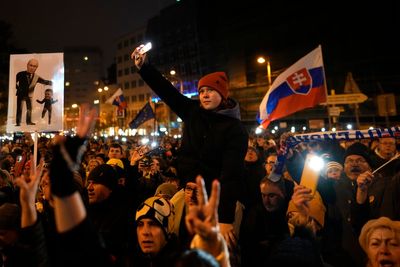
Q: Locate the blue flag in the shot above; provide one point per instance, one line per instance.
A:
(145, 114)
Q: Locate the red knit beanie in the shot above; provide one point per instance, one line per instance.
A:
(217, 81)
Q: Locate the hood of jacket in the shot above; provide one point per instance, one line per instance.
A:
(233, 111)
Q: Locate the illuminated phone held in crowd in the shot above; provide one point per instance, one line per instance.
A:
(312, 167)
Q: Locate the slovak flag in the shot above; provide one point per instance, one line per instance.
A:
(299, 87)
(117, 99)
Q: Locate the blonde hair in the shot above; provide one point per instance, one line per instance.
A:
(372, 225)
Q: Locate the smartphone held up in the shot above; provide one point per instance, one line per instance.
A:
(145, 48)
(312, 167)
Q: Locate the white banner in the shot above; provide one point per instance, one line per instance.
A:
(344, 135)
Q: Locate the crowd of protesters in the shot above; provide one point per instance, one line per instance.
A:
(219, 197)
(281, 222)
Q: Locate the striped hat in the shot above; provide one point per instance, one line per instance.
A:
(333, 164)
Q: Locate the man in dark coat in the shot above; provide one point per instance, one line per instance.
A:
(214, 141)
(108, 211)
(25, 85)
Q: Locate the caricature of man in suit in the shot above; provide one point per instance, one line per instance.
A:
(25, 85)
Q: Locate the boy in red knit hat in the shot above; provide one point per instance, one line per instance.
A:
(214, 141)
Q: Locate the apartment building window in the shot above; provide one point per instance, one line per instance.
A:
(119, 73)
(141, 82)
(141, 97)
(126, 71)
(126, 85)
(134, 98)
(133, 70)
(133, 84)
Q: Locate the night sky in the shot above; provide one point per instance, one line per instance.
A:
(362, 38)
(48, 25)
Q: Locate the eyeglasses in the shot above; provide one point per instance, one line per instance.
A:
(357, 161)
(189, 190)
(270, 162)
(388, 144)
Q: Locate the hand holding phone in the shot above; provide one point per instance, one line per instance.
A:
(145, 48)
(139, 54)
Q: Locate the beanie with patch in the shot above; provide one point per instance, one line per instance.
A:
(160, 210)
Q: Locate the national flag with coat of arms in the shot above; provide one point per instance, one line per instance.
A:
(118, 99)
(300, 86)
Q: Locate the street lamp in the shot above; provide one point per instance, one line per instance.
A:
(173, 74)
(262, 60)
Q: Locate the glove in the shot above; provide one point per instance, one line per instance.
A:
(67, 157)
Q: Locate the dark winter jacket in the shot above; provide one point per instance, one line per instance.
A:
(214, 144)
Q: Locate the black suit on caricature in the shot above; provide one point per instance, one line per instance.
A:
(25, 87)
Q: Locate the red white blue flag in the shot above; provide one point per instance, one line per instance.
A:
(117, 99)
(299, 87)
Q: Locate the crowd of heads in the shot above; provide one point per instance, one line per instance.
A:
(105, 171)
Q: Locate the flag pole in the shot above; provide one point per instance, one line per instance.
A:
(326, 91)
(155, 120)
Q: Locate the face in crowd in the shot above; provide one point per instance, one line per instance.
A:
(97, 192)
(115, 153)
(210, 99)
(387, 147)
(354, 165)
(45, 186)
(251, 155)
(191, 193)
(383, 248)
(155, 220)
(272, 196)
(151, 236)
(333, 173)
(269, 163)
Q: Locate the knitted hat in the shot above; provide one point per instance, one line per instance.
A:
(10, 216)
(382, 222)
(117, 162)
(104, 174)
(333, 164)
(168, 189)
(358, 149)
(160, 210)
(217, 81)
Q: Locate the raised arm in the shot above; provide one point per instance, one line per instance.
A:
(67, 155)
(202, 219)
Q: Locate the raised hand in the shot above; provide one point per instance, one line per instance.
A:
(138, 58)
(301, 198)
(202, 218)
(363, 182)
(68, 153)
(28, 189)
